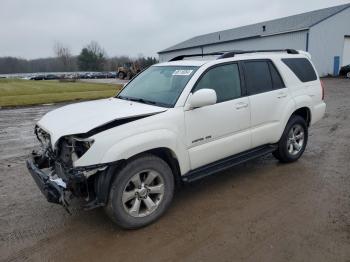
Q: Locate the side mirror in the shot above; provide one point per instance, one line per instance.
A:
(202, 97)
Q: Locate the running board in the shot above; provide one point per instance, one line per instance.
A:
(226, 163)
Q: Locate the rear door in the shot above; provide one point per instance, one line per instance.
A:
(220, 130)
(268, 96)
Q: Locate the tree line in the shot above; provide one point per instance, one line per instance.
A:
(91, 58)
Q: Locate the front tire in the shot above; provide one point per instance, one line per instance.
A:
(293, 141)
(141, 192)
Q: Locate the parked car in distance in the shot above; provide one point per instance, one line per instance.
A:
(51, 77)
(345, 71)
(174, 123)
(38, 77)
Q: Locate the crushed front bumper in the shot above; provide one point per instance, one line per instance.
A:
(59, 185)
(53, 189)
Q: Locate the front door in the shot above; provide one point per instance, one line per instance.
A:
(220, 130)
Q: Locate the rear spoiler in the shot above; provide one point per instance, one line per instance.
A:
(307, 54)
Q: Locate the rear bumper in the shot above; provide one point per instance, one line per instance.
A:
(51, 189)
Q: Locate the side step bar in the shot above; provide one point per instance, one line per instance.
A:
(226, 163)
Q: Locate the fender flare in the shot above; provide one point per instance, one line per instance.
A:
(300, 102)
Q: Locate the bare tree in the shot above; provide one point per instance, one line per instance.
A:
(64, 56)
(96, 49)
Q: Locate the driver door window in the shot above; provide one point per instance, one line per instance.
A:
(225, 80)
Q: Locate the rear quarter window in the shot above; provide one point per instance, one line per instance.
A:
(302, 68)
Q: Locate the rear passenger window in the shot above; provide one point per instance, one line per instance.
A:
(302, 68)
(225, 80)
(276, 77)
(257, 76)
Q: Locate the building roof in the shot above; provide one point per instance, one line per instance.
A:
(281, 25)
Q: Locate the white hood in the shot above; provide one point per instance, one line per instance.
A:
(82, 117)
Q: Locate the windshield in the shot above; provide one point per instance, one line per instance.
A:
(158, 85)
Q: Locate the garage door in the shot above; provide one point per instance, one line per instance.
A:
(346, 51)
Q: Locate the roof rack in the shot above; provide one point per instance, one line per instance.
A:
(181, 57)
(233, 53)
(228, 54)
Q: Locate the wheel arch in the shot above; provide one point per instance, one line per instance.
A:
(169, 156)
(103, 181)
(304, 112)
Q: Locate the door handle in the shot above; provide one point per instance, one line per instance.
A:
(241, 105)
(281, 95)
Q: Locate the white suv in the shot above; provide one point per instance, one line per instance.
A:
(176, 122)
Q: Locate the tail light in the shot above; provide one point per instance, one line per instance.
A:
(322, 87)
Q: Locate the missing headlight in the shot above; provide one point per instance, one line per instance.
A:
(43, 137)
(80, 146)
(72, 148)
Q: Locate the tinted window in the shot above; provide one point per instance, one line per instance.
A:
(276, 77)
(258, 78)
(302, 68)
(224, 80)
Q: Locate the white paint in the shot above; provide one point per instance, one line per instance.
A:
(203, 97)
(224, 128)
(82, 117)
(197, 136)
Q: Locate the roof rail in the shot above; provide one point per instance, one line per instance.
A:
(181, 57)
(228, 54)
(233, 53)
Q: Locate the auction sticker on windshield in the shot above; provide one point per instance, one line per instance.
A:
(182, 72)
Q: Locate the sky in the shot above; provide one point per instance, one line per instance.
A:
(30, 28)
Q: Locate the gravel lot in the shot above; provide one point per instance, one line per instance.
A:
(258, 211)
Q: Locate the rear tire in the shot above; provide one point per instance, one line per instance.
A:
(141, 192)
(293, 141)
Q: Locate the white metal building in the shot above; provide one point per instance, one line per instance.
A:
(325, 33)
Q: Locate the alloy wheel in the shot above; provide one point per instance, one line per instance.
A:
(143, 193)
(296, 138)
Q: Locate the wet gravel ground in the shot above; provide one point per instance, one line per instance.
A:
(258, 211)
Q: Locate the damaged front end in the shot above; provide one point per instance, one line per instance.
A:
(59, 181)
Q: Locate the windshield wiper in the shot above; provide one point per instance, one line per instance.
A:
(141, 100)
(123, 97)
